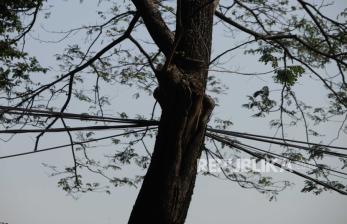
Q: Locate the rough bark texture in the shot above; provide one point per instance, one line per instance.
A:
(168, 186)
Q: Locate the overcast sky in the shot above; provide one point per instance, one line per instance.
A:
(29, 196)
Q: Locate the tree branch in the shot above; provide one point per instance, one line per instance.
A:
(155, 24)
(86, 64)
(278, 37)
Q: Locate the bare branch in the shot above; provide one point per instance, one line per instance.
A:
(155, 24)
(30, 26)
(280, 36)
(77, 182)
(149, 59)
(125, 35)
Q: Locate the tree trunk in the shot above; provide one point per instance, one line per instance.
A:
(168, 186)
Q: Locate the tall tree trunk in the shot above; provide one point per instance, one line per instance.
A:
(168, 186)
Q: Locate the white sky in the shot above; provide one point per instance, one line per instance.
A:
(29, 196)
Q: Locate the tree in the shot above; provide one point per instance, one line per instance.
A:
(294, 37)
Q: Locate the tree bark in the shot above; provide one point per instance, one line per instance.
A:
(167, 188)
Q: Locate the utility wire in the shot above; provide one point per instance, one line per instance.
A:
(234, 133)
(94, 128)
(290, 145)
(261, 156)
(141, 123)
(293, 160)
(81, 118)
(75, 143)
(87, 117)
(35, 112)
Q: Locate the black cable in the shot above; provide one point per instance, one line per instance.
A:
(260, 156)
(94, 128)
(68, 115)
(46, 113)
(268, 137)
(75, 143)
(290, 145)
(293, 160)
